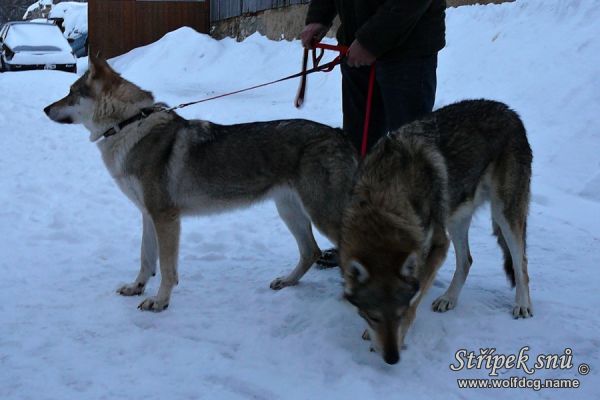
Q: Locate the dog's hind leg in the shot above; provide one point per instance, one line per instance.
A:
(513, 232)
(148, 260)
(508, 265)
(459, 233)
(291, 212)
(510, 204)
(168, 229)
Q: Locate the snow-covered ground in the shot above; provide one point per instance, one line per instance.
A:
(69, 237)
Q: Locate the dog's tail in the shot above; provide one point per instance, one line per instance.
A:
(508, 264)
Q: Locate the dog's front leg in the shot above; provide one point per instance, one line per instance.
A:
(168, 228)
(148, 260)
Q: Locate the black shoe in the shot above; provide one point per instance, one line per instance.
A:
(330, 258)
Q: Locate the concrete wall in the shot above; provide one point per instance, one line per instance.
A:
(286, 23)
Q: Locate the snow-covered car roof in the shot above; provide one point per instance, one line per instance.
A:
(28, 36)
(74, 15)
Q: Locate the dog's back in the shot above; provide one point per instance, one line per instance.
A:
(472, 136)
(208, 166)
(485, 146)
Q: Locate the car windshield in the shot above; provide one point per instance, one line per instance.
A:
(36, 37)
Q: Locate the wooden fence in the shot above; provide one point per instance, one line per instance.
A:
(117, 26)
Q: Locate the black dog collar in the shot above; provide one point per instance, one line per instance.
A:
(144, 113)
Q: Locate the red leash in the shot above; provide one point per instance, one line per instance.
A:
(343, 50)
(328, 67)
(317, 68)
(365, 138)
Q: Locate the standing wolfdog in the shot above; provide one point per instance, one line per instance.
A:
(170, 167)
(427, 178)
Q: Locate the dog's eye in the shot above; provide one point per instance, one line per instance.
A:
(370, 317)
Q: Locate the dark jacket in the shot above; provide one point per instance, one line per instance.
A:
(389, 29)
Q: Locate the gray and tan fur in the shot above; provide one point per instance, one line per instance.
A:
(394, 237)
(171, 167)
(427, 178)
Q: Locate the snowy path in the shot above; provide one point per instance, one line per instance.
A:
(69, 238)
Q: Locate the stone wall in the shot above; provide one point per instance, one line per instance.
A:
(276, 24)
(286, 23)
(456, 3)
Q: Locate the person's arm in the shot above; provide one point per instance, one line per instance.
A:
(321, 12)
(391, 25)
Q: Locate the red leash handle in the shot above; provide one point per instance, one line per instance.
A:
(316, 59)
(299, 101)
(343, 50)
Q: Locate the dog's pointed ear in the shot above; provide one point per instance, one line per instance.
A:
(358, 272)
(98, 67)
(409, 266)
(409, 290)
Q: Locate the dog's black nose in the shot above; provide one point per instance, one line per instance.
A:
(391, 358)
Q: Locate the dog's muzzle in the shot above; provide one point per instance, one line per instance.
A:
(63, 120)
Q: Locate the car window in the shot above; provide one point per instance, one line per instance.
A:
(36, 48)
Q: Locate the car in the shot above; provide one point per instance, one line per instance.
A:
(72, 19)
(79, 44)
(35, 45)
(78, 40)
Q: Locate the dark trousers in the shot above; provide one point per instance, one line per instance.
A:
(404, 91)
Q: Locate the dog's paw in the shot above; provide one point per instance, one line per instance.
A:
(443, 304)
(133, 289)
(153, 304)
(365, 335)
(522, 311)
(281, 282)
(328, 259)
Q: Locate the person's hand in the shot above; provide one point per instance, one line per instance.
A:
(313, 33)
(358, 56)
